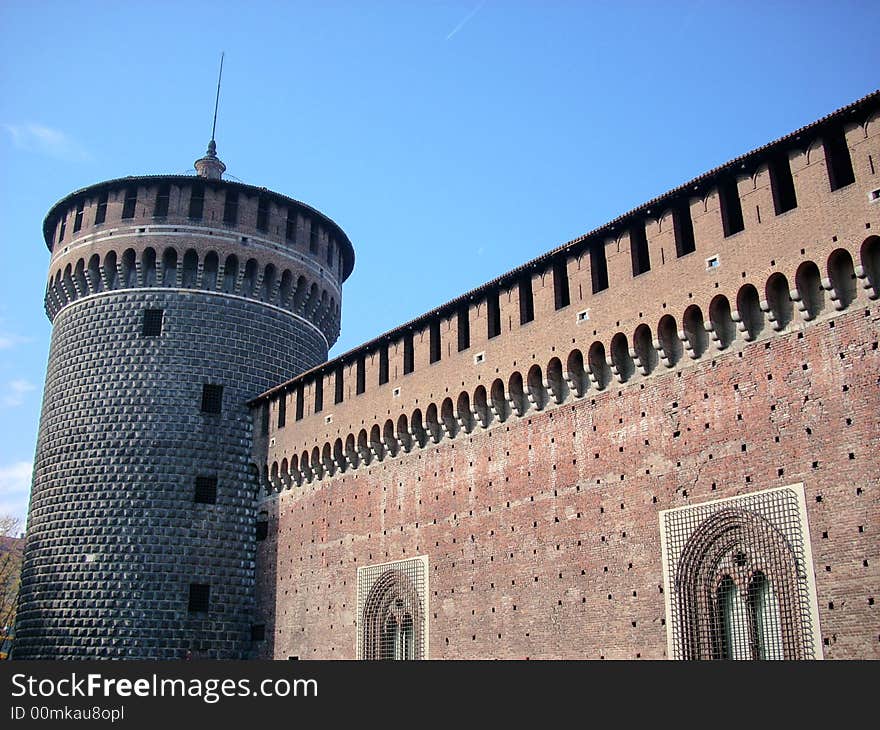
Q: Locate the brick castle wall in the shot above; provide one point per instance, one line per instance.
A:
(529, 462)
(542, 534)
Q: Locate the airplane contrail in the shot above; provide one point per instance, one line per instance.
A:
(467, 17)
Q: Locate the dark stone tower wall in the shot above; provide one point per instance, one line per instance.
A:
(116, 536)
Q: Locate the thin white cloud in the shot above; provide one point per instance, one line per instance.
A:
(15, 391)
(466, 19)
(15, 487)
(44, 140)
(8, 342)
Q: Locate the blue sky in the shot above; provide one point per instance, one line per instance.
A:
(451, 140)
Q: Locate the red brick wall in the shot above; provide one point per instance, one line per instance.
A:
(542, 533)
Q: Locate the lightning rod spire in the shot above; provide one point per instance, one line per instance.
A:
(210, 165)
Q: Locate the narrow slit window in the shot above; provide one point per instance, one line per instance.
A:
(408, 354)
(338, 395)
(383, 364)
(361, 374)
(638, 249)
(163, 197)
(526, 300)
(101, 210)
(263, 214)
(330, 253)
(561, 296)
(493, 314)
(206, 490)
(290, 233)
(78, 218)
(683, 228)
(199, 597)
(300, 401)
(838, 160)
(782, 184)
(319, 393)
(230, 207)
(282, 410)
(212, 398)
(152, 324)
(731, 207)
(130, 203)
(197, 202)
(62, 228)
(435, 340)
(264, 425)
(464, 328)
(262, 530)
(598, 268)
(313, 238)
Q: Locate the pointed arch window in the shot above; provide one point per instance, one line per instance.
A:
(739, 579)
(392, 610)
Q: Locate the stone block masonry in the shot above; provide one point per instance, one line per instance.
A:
(115, 536)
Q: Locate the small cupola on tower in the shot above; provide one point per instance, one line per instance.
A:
(210, 165)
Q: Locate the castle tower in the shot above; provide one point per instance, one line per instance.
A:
(174, 300)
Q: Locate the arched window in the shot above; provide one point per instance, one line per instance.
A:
(733, 619)
(764, 609)
(738, 581)
(392, 610)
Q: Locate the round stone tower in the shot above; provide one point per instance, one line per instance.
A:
(174, 299)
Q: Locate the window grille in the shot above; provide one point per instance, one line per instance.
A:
(739, 578)
(392, 612)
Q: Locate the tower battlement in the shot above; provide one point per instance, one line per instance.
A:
(174, 299)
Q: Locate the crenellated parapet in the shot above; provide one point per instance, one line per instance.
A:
(771, 242)
(174, 300)
(182, 232)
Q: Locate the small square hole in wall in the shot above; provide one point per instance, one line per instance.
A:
(396, 392)
(583, 315)
(328, 419)
(479, 357)
(712, 262)
(874, 195)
